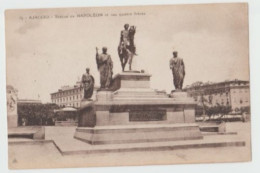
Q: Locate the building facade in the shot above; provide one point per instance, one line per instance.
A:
(69, 96)
(235, 93)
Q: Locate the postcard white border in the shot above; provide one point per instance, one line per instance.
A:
(254, 32)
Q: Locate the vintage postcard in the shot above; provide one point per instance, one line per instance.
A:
(117, 86)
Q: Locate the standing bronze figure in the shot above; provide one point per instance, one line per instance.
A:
(126, 48)
(87, 82)
(105, 68)
(178, 71)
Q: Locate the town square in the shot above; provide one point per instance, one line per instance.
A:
(107, 89)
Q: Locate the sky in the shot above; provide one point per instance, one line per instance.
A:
(44, 54)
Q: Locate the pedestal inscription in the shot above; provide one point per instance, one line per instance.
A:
(147, 115)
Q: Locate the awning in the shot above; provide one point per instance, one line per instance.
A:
(66, 109)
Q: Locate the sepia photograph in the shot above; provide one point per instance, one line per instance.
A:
(127, 85)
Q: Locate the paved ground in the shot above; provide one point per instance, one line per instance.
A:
(47, 156)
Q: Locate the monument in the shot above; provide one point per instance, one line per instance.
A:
(127, 49)
(178, 72)
(87, 82)
(14, 130)
(12, 115)
(105, 68)
(127, 110)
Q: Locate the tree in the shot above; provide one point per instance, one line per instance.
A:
(36, 114)
(198, 110)
(218, 110)
(210, 111)
(224, 110)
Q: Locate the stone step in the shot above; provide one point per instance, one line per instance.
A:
(75, 147)
(138, 94)
(164, 147)
(137, 134)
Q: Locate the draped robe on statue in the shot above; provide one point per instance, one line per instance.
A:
(87, 81)
(105, 67)
(178, 72)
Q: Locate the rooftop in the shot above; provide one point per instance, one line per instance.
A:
(201, 84)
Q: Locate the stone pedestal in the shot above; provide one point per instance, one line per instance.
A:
(104, 95)
(29, 132)
(179, 95)
(133, 112)
(137, 133)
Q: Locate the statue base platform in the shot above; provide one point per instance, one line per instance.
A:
(180, 95)
(132, 71)
(119, 134)
(30, 132)
(133, 112)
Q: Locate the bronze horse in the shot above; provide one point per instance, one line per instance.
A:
(126, 52)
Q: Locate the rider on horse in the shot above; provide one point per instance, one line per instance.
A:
(127, 38)
(126, 48)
